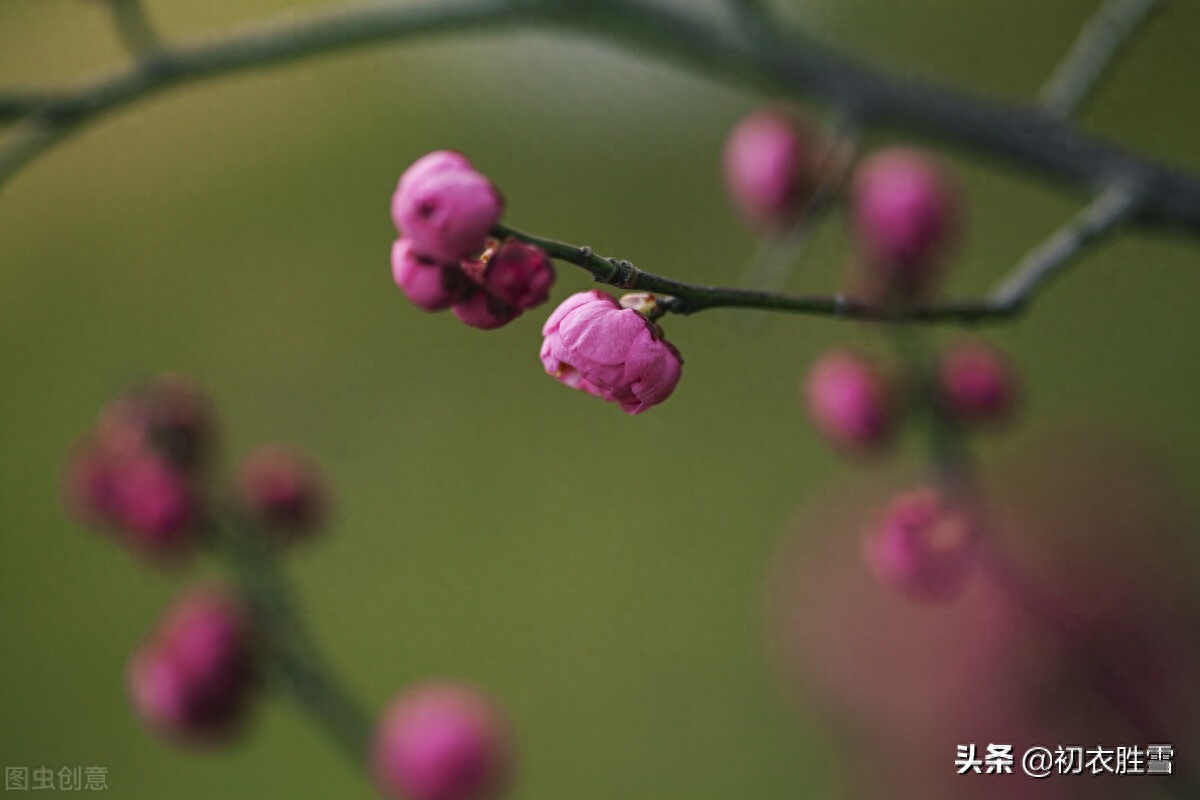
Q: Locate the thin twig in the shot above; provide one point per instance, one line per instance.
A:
(688, 298)
(1103, 216)
(18, 105)
(1094, 50)
(62, 114)
(25, 142)
(754, 16)
(133, 26)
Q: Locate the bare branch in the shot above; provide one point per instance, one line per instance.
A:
(133, 26)
(1149, 193)
(687, 298)
(1021, 136)
(1105, 214)
(1094, 50)
(1011, 297)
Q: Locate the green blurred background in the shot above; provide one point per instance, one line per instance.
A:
(604, 575)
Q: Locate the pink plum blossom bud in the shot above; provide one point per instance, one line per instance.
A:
(168, 415)
(192, 680)
(770, 164)
(428, 284)
(149, 504)
(850, 401)
(442, 740)
(88, 486)
(976, 383)
(922, 548)
(904, 214)
(283, 490)
(509, 278)
(155, 503)
(485, 312)
(432, 164)
(519, 275)
(594, 345)
(445, 209)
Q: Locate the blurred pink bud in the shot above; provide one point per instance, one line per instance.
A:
(88, 484)
(151, 505)
(594, 345)
(155, 503)
(445, 209)
(921, 548)
(168, 415)
(428, 284)
(976, 382)
(192, 680)
(850, 401)
(443, 741)
(283, 490)
(770, 168)
(905, 216)
(519, 275)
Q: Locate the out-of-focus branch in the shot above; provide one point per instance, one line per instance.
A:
(803, 70)
(48, 117)
(1094, 50)
(292, 658)
(1105, 214)
(1022, 136)
(133, 26)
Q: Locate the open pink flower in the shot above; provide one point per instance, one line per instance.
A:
(593, 344)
